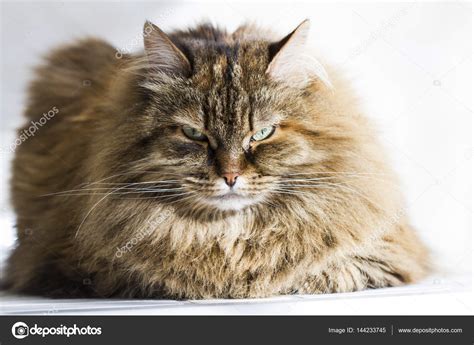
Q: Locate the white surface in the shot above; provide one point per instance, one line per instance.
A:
(410, 63)
(452, 295)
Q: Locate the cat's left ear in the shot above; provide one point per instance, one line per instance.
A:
(291, 63)
(162, 53)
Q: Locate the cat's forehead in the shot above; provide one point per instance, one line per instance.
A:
(230, 79)
(228, 93)
(230, 61)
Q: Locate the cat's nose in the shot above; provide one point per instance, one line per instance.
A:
(230, 178)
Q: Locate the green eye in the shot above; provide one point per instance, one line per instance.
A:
(193, 133)
(264, 133)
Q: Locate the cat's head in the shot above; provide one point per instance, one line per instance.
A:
(229, 118)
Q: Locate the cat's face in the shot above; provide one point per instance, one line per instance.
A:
(233, 152)
(229, 135)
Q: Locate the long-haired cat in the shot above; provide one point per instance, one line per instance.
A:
(212, 165)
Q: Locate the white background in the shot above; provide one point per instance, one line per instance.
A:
(409, 62)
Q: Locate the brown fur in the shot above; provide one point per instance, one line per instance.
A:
(119, 123)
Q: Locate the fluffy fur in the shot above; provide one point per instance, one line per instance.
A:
(112, 199)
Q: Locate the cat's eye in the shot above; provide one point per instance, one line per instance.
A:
(193, 133)
(263, 133)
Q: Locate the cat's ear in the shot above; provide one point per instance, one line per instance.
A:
(291, 63)
(162, 54)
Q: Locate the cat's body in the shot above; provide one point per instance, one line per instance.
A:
(112, 199)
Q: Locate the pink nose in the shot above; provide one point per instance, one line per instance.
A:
(230, 178)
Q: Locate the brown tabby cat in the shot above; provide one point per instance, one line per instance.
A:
(212, 165)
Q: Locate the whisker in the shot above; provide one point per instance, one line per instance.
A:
(135, 172)
(90, 211)
(72, 191)
(162, 197)
(340, 179)
(334, 172)
(341, 186)
(137, 191)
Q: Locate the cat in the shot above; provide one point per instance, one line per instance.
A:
(211, 165)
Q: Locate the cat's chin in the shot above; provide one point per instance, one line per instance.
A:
(230, 201)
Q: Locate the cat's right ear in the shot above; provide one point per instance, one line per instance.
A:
(290, 62)
(162, 54)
